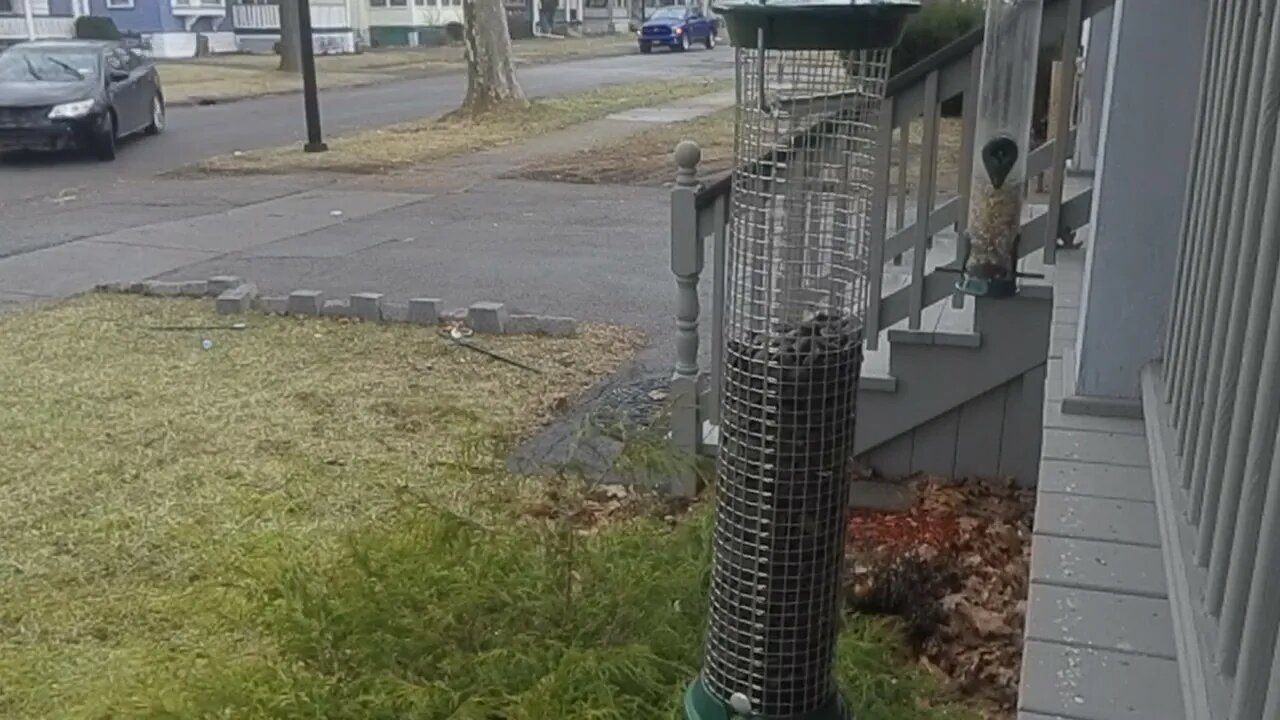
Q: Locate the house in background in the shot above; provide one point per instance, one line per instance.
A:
(171, 28)
(400, 23)
(49, 19)
(338, 26)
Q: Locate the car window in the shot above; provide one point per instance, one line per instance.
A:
(47, 64)
(116, 61)
(135, 60)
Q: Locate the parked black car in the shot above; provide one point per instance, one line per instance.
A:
(84, 94)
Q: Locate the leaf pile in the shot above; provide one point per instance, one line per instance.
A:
(954, 568)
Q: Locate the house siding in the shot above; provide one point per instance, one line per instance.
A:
(144, 16)
(59, 7)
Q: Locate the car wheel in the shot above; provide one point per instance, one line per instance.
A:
(646, 48)
(684, 43)
(104, 145)
(711, 41)
(157, 116)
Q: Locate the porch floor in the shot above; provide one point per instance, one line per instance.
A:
(1099, 636)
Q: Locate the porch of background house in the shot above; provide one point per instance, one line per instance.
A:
(44, 23)
(257, 27)
(1157, 494)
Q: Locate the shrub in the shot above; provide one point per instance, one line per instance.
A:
(938, 24)
(89, 27)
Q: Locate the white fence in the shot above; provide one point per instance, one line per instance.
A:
(267, 17)
(15, 27)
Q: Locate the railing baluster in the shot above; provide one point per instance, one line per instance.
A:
(1195, 179)
(965, 163)
(1262, 609)
(719, 241)
(1061, 148)
(879, 223)
(1214, 110)
(1243, 474)
(686, 264)
(1207, 254)
(1244, 245)
(1234, 193)
(924, 199)
(904, 158)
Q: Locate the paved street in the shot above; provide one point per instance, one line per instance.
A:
(458, 231)
(199, 132)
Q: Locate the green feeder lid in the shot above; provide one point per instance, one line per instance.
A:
(832, 25)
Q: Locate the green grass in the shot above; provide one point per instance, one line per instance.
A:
(313, 520)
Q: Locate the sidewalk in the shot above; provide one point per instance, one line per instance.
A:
(455, 231)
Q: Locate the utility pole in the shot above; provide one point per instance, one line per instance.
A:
(310, 96)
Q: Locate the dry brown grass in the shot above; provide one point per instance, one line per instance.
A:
(423, 142)
(223, 77)
(645, 158)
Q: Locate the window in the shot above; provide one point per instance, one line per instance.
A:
(377, 3)
(119, 4)
(597, 3)
(399, 3)
(6, 7)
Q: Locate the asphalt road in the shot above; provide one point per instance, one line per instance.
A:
(198, 132)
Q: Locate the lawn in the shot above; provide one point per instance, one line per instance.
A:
(222, 77)
(312, 519)
(425, 141)
(645, 158)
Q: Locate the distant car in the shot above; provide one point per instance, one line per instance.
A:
(83, 94)
(678, 28)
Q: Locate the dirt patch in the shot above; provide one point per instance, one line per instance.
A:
(954, 568)
(644, 158)
(429, 141)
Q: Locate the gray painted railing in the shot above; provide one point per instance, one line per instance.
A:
(914, 97)
(1220, 384)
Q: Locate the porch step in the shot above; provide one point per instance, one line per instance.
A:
(1088, 684)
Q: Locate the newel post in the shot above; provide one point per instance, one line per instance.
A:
(686, 264)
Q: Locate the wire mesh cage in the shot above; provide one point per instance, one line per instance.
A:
(795, 310)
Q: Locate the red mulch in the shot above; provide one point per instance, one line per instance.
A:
(954, 567)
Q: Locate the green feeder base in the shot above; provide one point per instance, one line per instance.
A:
(987, 287)
(700, 704)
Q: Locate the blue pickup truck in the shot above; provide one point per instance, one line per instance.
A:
(679, 28)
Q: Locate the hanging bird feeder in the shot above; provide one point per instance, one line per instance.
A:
(1005, 104)
(810, 81)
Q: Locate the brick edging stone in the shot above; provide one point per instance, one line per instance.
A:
(233, 295)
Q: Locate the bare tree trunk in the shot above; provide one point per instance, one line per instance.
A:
(491, 72)
(290, 40)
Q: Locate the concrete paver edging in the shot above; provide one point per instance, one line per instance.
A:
(233, 295)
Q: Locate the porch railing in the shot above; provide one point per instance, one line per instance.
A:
(901, 220)
(267, 17)
(14, 27)
(1213, 409)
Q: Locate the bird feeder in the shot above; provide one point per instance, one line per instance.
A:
(810, 82)
(1005, 104)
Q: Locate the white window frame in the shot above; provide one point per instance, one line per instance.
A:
(119, 4)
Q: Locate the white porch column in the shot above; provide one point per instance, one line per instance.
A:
(29, 14)
(1143, 156)
(1093, 86)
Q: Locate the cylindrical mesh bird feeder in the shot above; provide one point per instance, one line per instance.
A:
(1006, 98)
(810, 80)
